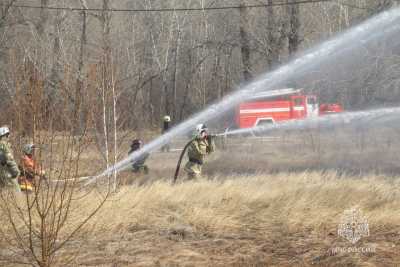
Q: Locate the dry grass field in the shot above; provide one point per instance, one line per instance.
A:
(258, 220)
(274, 201)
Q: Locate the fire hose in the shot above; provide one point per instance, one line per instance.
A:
(178, 166)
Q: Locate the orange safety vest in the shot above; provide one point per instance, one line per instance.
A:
(29, 167)
(28, 172)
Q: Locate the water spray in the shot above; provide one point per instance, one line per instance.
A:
(346, 118)
(384, 24)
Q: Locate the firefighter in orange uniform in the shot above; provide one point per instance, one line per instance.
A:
(30, 170)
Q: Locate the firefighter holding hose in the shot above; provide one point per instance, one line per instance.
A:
(199, 148)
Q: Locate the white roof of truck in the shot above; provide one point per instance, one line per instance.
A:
(274, 93)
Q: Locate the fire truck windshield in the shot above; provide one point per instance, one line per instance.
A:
(298, 102)
(311, 101)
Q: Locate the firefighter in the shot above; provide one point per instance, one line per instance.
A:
(8, 167)
(30, 170)
(201, 145)
(139, 166)
(166, 122)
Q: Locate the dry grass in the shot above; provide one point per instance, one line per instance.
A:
(284, 219)
(261, 203)
(213, 205)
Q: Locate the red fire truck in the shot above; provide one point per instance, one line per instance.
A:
(281, 105)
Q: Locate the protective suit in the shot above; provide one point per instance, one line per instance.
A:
(198, 149)
(9, 170)
(139, 165)
(166, 126)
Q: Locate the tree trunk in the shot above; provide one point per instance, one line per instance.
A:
(43, 18)
(294, 27)
(245, 41)
(5, 10)
(107, 70)
(270, 35)
(80, 116)
(382, 5)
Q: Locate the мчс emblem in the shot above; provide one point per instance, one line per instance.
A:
(353, 225)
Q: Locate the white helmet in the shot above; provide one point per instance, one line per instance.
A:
(200, 128)
(167, 118)
(4, 131)
(28, 149)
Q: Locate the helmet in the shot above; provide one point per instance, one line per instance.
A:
(136, 144)
(200, 128)
(167, 118)
(28, 149)
(4, 131)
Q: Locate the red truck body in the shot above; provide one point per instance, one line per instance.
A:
(290, 105)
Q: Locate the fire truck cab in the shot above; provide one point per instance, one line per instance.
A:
(288, 104)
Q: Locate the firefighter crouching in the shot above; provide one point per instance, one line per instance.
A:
(31, 171)
(139, 166)
(8, 167)
(202, 145)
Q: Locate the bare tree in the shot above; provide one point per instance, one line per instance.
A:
(294, 27)
(37, 226)
(245, 41)
(175, 62)
(5, 11)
